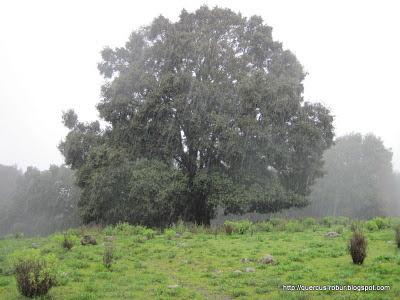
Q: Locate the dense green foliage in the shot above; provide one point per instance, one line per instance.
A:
(40, 202)
(203, 112)
(371, 225)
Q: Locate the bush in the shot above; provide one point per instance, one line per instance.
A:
(67, 243)
(187, 235)
(339, 230)
(274, 221)
(65, 240)
(108, 256)
(242, 226)
(33, 274)
(381, 223)
(109, 230)
(353, 226)
(309, 222)
(170, 233)
(294, 226)
(138, 239)
(264, 226)
(19, 235)
(123, 228)
(239, 227)
(342, 221)
(149, 233)
(138, 229)
(229, 226)
(73, 231)
(371, 225)
(281, 226)
(357, 247)
(328, 221)
(394, 222)
(397, 233)
(180, 227)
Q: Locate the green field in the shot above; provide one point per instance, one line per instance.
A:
(205, 268)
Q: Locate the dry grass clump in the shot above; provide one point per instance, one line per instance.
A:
(357, 247)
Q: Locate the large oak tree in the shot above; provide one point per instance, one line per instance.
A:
(202, 112)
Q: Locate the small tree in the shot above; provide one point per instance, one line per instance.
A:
(357, 247)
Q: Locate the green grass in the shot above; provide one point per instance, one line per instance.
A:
(204, 269)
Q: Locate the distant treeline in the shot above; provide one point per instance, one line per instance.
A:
(37, 202)
(359, 183)
(359, 180)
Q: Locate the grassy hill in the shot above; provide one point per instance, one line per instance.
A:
(145, 265)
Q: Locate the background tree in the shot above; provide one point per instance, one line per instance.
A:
(359, 182)
(8, 181)
(212, 98)
(42, 202)
(396, 199)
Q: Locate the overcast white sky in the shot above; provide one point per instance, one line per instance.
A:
(49, 52)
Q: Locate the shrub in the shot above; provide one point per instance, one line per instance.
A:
(123, 228)
(34, 276)
(339, 230)
(357, 247)
(328, 221)
(342, 221)
(137, 229)
(381, 223)
(309, 222)
(274, 221)
(138, 239)
(149, 233)
(65, 240)
(67, 243)
(264, 226)
(294, 226)
(281, 226)
(229, 226)
(180, 227)
(187, 235)
(108, 256)
(109, 230)
(397, 233)
(394, 222)
(73, 231)
(170, 233)
(242, 226)
(353, 226)
(371, 225)
(19, 235)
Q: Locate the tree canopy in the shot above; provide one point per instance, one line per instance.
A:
(40, 202)
(359, 182)
(203, 112)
